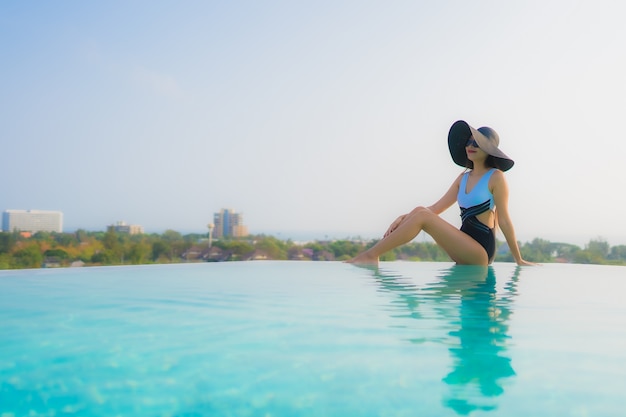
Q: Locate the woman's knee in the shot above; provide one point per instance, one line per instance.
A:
(420, 215)
(420, 212)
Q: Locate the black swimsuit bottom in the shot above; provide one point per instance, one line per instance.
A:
(481, 234)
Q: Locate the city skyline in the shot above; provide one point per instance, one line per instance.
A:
(324, 118)
(298, 236)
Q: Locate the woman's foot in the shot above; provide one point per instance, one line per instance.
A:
(364, 259)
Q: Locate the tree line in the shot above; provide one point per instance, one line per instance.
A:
(84, 248)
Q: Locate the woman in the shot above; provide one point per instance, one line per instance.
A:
(482, 194)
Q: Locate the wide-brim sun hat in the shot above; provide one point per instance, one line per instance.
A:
(487, 139)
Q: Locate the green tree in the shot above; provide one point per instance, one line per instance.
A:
(102, 257)
(171, 236)
(274, 248)
(160, 250)
(586, 257)
(317, 249)
(7, 242)
(5, 261)
(345, 249)
(139, 253)
(565, 251)
(180, 247)
(82, 235)
(56, 253)
(28, 257)
(315, 246)
(618, 253)
(43, 236)
(236, 247)
(64, 239)
(436, 253)
(385, 257)
(539, 250)
(598, 247)
(110, 240)
(595, 252)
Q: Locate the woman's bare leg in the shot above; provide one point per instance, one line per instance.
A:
(458, 245)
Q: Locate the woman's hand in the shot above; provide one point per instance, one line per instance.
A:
(522, 262)
(397, 222)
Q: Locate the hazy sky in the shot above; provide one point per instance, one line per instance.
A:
(324, 117)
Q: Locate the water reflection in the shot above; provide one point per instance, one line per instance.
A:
(464, 300)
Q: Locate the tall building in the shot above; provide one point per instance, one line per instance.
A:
(32, 221)
(131, 229)
(229, 224)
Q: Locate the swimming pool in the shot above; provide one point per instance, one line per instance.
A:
(313, 339)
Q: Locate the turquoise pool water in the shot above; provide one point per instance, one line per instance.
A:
(313, 339)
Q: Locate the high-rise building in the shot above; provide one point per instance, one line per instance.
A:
(131, 229)
(32, 221)
(229, 224)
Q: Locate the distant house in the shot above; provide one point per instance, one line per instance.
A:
(195, 253)
(217, 255)
(324, 256)
(297, 254)
(51, 262)
(257, 255)
(202, 253)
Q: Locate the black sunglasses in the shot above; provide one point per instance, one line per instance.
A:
(472, 142)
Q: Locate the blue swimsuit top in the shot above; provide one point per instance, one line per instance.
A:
(477, 201)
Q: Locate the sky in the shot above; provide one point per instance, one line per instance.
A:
(314, 119)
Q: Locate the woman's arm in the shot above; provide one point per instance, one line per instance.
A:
(448, 199)
(500, 193)
(439, 207)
